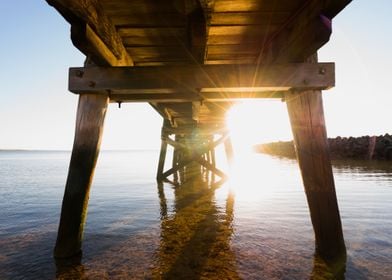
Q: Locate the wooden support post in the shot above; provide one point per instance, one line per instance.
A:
(207, 156)
(229, 149)
(308, 126)
(162, 157)
(175, 162)
(88, 133)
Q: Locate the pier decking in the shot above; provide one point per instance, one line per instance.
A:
(191, 60)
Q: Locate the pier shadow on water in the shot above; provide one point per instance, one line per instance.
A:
(195, 238)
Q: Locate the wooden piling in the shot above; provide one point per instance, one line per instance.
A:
(175, 162)
(229, 149)
(88, 133)
(310, 138)
(162, 157)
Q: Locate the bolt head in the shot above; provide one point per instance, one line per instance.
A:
(79, 73)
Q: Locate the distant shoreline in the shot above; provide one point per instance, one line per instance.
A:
(38, 150)
(364, 147)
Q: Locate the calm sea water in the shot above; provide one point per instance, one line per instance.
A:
(255, 226)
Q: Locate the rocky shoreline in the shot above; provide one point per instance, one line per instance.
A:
(365, 147)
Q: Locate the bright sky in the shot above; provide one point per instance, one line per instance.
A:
(37, 111)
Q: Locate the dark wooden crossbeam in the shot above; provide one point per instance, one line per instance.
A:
(181, 97)
(200, 149)
(201, 130)
(211, 79)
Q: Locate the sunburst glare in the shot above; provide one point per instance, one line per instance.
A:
(251, 123)
(257, 121)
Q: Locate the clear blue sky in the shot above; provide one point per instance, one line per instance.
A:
(37, 111)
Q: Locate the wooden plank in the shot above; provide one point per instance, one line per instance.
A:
(295, 76)
(229, 39)
(197, 34)
(254, 5)
(237, 60)
(85, 39)
(249, 18)
(154, 41)
(242, 30)
(148, 20)
(242, 57)
(161, 98)
(158, 53)
(152, 32)
(89, 13)
(88, 133)
(202, 129)
(153, 7)
(233, 49)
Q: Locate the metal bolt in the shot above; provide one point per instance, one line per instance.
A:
(79, 73)
(91, 84)
(322, 71)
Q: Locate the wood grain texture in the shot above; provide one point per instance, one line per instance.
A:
(89, 12)
(88, 134)
(310, 138)
(304, 32)
(162, 157)
(188, 78)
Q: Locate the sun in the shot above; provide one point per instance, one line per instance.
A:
(257, 121)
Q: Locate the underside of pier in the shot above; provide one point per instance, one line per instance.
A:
(191, 60)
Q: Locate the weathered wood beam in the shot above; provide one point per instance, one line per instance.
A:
(310, 137)
(175, 169)
(88, 133)
(92, 31)
(303, 33)
(201, 130)
(180, 98)
(212, 168)
(196, 110)
(89, 43)
(308, 125)
(298, 47)
(176, 144)
(229, 150)
(162, 154)
(197, 33)
(283, 76)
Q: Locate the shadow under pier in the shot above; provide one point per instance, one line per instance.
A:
(196, 234)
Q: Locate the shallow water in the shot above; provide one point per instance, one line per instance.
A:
(255, 226)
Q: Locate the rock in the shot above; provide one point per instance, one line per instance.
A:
(364, 147)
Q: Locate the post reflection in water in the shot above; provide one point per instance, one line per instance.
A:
(195, 237)
(333, 269)
(70, 268)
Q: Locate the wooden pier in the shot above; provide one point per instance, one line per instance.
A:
(191, 60)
